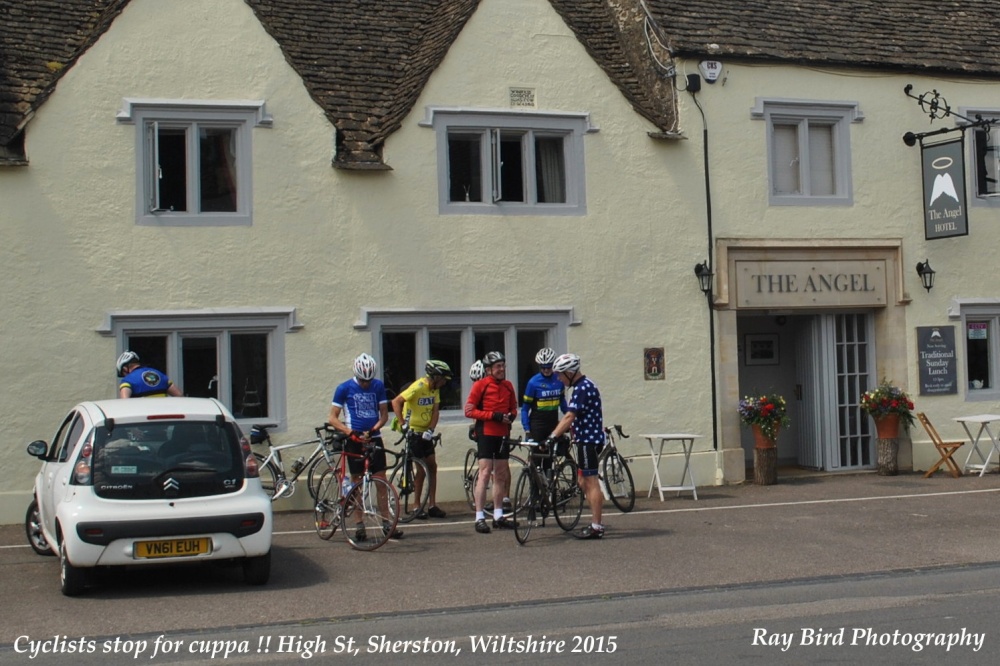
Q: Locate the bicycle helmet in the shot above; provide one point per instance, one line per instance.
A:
(477, 371)
(493, 357)
(438, 369)
(365, 367)
(566, 363)
(545, 356)
(123, 360)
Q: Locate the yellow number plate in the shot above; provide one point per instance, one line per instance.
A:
(173, 547)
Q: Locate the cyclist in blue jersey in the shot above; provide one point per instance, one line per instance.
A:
(585, 416)
(544, 397)
(360, 408)
(138, 381)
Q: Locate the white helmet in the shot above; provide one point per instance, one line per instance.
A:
(545, 356)
(566, 363)
(123, 360)
(365, 367)
(477, 371)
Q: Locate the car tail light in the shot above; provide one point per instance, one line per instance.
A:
(81, 471)
(249, 462)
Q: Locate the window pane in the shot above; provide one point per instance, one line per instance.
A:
(977, 346)
(217, 160)
(465, 171)
(199, 367)
(550, 170)
(152, 350)
(447, 346)
(528, 344)
(487, 341)
(821, 171)
(987, 162)
(399, 361)
(785, 166)
(248, 369)
(511, 167)
(172, 169)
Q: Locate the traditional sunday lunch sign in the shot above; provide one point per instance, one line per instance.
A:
(936, 360)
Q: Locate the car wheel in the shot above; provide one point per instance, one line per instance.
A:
(33, 529)
(73, 579)
(257, 570)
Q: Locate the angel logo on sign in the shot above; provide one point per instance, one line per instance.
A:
(150, 378)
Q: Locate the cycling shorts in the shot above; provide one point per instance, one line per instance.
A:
(493, 447)
(356, 466)
(419, 447)
(586, 457)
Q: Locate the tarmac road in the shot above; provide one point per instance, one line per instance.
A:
(802, 528)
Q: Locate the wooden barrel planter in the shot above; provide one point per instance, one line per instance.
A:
(765, 458)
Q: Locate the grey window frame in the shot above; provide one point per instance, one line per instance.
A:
(572, 127)
(147, 114)
(839, 115)
(554, 321)
(976, 199)
(177, 324)
(987, 310)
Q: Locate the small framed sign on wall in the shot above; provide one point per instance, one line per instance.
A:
(761, 349)
(652, 363)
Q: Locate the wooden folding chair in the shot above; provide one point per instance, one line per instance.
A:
(945, 449)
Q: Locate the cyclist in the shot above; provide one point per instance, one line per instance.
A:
(584, 415)
(544, 397)
(417, 410)
(492, 403)
(138, 381)
(359, 408)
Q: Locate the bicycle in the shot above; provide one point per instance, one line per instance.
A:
(470, 473)
(615, 475)
(271, 468)
(540, 492)
(372, 503)
(402, 475)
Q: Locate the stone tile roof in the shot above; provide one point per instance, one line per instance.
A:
(39, 41)
(366, 63)
(935, 37)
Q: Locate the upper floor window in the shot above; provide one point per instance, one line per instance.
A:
(808, 150)
(985, 158)
(193, 160)
(498, 162)
(237, 357)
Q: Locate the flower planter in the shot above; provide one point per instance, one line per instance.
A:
(887, 428)
(765, 458)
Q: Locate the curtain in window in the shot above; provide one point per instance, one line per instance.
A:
(821, 171)
(785, 159)
(550, 170)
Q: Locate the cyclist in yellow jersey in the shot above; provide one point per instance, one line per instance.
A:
(417, 409)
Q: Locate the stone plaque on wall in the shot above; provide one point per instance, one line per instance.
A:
(810, 284)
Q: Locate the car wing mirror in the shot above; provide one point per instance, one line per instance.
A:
(38, 448)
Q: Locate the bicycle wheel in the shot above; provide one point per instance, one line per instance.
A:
(315, 474)
(469, 475)
(327, 511)
(403, 477)
(269, 475)
(526, 507)
(618, 481)
(365, 524)
(567, 497)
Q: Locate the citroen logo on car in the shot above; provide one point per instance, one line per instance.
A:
(171, 484)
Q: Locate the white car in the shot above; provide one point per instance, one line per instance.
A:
(149, 481)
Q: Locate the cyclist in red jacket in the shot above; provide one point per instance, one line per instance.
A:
(493, 404)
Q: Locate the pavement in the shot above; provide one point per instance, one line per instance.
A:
(805, 527)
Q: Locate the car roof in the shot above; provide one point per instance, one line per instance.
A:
(139, 409)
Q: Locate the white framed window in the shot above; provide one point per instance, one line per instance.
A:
(808, 151)
(979, 346)
(236, 356)
(193, 160)
(984, 156)
(404, 340)
(497, 162)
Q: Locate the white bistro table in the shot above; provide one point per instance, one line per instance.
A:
(984, 421)
(687, 478)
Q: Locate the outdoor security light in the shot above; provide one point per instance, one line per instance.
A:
(926, 274)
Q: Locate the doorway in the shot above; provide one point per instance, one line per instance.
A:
(821, 364)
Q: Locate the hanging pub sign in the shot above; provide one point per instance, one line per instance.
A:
(945, 212)
(936, 360)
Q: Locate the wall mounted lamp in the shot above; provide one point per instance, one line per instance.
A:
(926, 274)
(705, 275)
